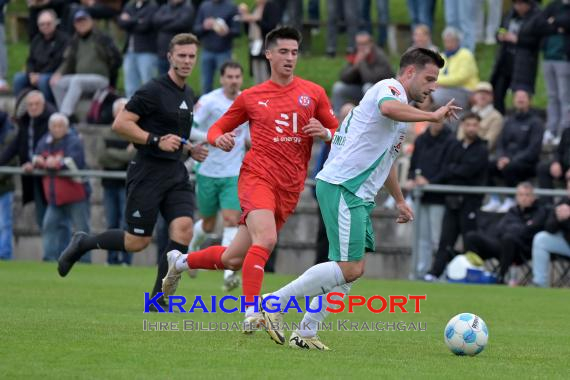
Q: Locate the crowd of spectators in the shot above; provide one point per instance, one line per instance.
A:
(72, 56)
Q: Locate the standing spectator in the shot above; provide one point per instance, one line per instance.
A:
(555, 239)
(459, 15)
(31, 127)
(464, 165)
(263, 19)
(90, 63)
(67, 197)
(421, 13)
(351, 16)
(140, 51)
(559, 168)
(528, 47)
(172, 18)
(459, 75)
(366, 67)
(99, 9)
(430, 149)
(556, 67)
(116, 157)
(3, 53)
(486, 31)
(491, 119)
(216, 26)
(518, 150)
(45, 56)
(35, 7)
(502, 76)
(511, 239)
(7, 134)
(292, 13)
(422, 38)
(383, 13)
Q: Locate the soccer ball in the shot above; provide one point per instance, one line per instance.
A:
(466, 334)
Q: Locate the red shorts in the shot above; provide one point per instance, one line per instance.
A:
(256, 193)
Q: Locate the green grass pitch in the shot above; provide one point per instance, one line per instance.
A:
(90, 325)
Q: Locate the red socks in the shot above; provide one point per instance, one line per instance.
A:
(253, 270)
(209, 258)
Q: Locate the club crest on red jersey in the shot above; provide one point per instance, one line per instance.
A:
(304, 100)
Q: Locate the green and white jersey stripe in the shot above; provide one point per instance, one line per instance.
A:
(367, 143)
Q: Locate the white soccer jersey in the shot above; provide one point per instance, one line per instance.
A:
(367, 143)
(219, 164)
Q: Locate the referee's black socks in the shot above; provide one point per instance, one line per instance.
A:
(111, 240)
(163, 263)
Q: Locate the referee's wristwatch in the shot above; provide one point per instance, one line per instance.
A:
(153, 140)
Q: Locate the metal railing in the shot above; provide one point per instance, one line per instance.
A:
(418, 191)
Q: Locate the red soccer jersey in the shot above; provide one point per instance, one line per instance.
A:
(280, 151)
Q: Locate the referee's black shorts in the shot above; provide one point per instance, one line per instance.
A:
(155, 185)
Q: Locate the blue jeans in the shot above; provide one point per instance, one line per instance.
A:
(421, 12)
(543, 244)
(163, 66)
(114, 200)
(21, 81)
(6, 203)
(53, 240)
(139, 68)
(383, 11)
(210, 63)
(460, 15)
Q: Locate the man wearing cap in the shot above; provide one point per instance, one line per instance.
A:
(491, 119)
(90, 63)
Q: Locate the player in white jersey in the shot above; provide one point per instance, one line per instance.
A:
(359, 164)
(217, 176)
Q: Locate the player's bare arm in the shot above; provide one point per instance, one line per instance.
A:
(199, 152)
(316, 129)
(398, 111)
(405, 211)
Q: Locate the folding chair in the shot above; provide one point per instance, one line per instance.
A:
(560, 270)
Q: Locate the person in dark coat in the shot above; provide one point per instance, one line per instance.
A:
(464, 165)
(172, 18)
(511, 239)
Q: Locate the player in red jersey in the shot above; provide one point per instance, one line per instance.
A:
(285, 114)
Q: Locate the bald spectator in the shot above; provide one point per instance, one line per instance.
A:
(366, 67)
(45, 56)
(67, 197)
(460, 75)
(491, 119)
(91, 63)
(518, 150)
(31, 127)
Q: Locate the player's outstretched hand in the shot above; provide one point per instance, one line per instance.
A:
(199, 152)
(405, 212)
(226, 142)
(169, 143)
(448, 111)
(316, 129)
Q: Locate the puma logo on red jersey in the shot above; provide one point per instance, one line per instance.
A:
(263, 103)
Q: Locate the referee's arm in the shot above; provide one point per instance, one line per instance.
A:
(126, 126)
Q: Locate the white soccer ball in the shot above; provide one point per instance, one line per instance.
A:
(466, 334)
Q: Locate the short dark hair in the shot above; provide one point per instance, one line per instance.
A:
(230, 65)
(282, 33)
(469, 115)
(420, 57)
(183, 39)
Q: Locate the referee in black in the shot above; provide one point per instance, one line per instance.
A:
(157, 119)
